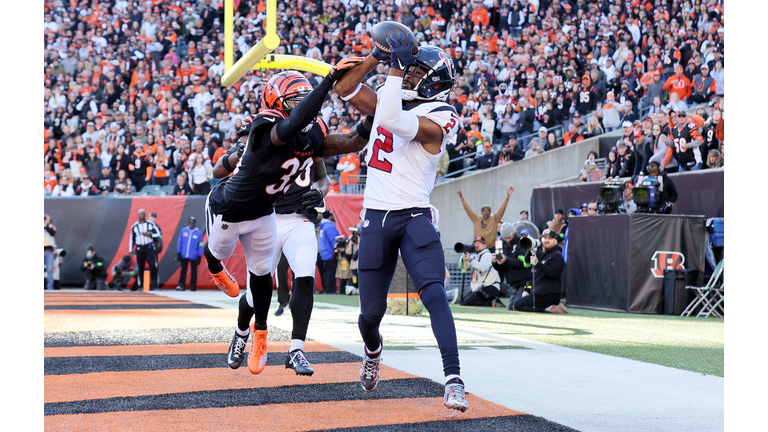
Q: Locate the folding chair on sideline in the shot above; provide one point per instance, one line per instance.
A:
(710, 296)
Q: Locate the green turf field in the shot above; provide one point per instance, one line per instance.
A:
(693, 344)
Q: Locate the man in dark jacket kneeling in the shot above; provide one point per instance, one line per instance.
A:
(549, 264)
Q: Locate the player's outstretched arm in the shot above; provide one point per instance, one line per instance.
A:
(309, 107)
(351, 89)
(353, 141)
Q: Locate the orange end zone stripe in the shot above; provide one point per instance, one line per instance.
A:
(175, 349)
(115, 302)
(281, 417)
(109, 298)
(74, 387)
(68, 320)
(403, 295)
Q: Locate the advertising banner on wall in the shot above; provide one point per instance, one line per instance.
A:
(617, 262)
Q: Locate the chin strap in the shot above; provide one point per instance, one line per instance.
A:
(408, 95)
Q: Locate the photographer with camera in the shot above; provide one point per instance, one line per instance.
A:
(485, 283)
(122, 272)
(346, 251)
(93, 266)
(548, 264)
(513, 261)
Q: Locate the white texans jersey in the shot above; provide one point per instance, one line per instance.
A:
(401, 173)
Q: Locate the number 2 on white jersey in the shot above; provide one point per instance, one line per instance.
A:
(384, 145)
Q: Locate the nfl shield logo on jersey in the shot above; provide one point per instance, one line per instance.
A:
(224, 226)
(365, 223)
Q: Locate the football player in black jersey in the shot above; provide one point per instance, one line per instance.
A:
(295, 208)
(277, 153)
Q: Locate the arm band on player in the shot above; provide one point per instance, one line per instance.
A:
(404, 124)
(304, 113)
(351, 95)
(362, 130)
(225, 163)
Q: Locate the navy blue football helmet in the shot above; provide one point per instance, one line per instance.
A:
(439, 79)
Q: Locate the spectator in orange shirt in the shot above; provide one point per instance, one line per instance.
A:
(480, 16)
(349, 165)
(572, 136)
(678, 83)
(333, 184)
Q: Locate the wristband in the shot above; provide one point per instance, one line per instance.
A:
(353, 94)
(225, 163)
(362, 131)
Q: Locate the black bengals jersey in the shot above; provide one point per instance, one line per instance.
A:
(290, 201)
(685, 133)
(709, 132)
(265, 171)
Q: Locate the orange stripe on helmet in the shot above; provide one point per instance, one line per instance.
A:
(283, 85)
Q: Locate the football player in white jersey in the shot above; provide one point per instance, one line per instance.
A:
(411, 126)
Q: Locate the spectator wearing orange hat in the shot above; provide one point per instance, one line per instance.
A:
(488, 158)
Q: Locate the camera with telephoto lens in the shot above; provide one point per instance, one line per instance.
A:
(464, 247)
(61, 253)
(529, 243)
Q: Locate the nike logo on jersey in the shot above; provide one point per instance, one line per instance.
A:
(269, 119)
(416, 214)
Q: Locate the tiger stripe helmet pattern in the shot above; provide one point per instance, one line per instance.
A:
(283, 86)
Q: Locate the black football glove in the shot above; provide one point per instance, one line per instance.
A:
(312, 213)
(240, 149)
(311, 199)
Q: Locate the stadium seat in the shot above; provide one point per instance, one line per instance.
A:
(168, 189)
(142, 193)
(156, 193)
(709, 297)
(151, 188)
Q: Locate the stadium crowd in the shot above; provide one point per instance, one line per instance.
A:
(133, 92)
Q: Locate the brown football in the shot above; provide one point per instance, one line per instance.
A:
(381, 31)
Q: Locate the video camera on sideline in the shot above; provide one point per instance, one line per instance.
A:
(610, 197)
(646, 196)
